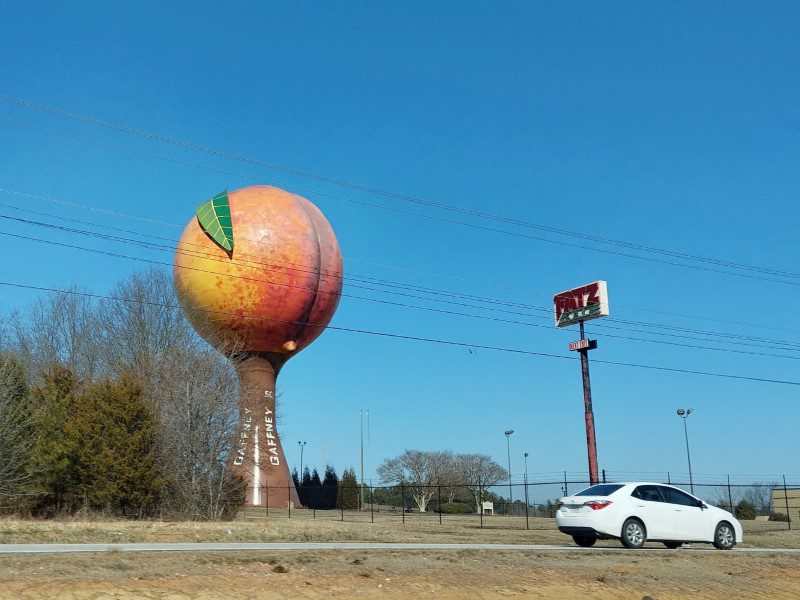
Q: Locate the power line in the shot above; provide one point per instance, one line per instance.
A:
(391, 208)
(377, 300)
(385, 266)
(395, 285)
(373, 282)
(791, 345)
(388, 194)
(647, 324)
(421, 339)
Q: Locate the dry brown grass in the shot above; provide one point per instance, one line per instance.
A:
(347, 574)
(328, 527)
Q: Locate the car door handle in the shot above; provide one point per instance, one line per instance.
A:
(640, 505)
(678, 509)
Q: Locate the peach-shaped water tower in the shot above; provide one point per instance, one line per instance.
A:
(258, 273)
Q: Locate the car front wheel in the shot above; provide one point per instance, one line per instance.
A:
(724, 536)
(634, 534)
(585, 541)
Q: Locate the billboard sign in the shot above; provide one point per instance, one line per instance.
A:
(589, 301)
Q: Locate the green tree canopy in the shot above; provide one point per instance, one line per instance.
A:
(51, 403)
(111, 431)
(348, 495)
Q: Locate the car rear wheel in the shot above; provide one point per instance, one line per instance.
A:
(673, 545)
(724, 536)
(634, 534)
(585, 541)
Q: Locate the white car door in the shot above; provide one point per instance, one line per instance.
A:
(649, 505)
(691, 521)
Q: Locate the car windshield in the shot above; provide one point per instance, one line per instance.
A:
(599, 490)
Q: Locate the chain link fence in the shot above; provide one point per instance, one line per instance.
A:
(509, 505)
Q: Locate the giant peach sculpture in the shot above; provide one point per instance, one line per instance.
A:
(258, 273)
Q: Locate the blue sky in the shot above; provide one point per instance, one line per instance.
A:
(671, 125)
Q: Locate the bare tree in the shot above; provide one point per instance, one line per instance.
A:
(479, 471)
(196, 401)
(5, 334)
(450, 477)
(760, 496)
(142, 324)
(422, 471)
(60, 328)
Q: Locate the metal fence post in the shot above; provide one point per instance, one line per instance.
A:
(439, 485)
(480, 501)
(527, 524)
(730, 497)
(266, 489)
(566, 487)
(668, 481)
(316, 499)
(289, 500)
(604, 475)
(786, 499)
(371, 504)
(403, 501)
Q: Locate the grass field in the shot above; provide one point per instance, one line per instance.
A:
(346, 574)
(328, 527)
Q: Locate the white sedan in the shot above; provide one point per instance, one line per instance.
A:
(637, 512)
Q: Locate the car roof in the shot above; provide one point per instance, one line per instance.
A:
(636, 483)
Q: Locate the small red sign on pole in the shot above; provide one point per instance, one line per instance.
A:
(583, 344)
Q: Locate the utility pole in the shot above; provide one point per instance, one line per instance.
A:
(508, 433)
(361, 416)
(591, 441)
(684, 414)
(581, 304)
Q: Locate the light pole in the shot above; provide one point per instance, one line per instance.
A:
(508, 433)
(684, 414)
(526, 491)
(302, 445)
(361, 417)
(526, 467)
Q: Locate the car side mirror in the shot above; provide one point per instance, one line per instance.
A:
(702, 505)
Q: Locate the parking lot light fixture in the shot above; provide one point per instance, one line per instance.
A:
(684, 414)
(508, 433)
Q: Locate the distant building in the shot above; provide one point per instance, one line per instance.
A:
(780, 499)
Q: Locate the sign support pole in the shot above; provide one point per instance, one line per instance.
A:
(591, 442)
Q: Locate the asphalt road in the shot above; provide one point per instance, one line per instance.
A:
(322, 546)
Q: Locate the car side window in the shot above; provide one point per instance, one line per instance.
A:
(674, 496)
(648, 492)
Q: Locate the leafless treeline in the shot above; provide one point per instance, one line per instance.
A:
(190, 387)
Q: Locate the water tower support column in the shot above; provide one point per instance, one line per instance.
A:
(257, 451)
